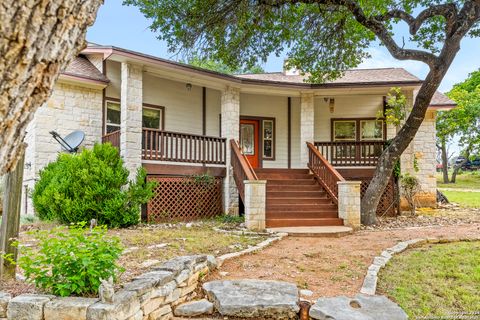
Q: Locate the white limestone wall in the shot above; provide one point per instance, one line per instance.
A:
(70, 108)
(256, 105)
(255, 204)
(349, 206)
(307, 125)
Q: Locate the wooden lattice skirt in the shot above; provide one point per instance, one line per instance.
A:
(184, 199)
(387, 205)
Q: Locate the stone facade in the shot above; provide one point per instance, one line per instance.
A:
(71, 107)
(255, 204)
(307, 125)
(151, 296)
(230, 116)
(349, 203)
(131, 117)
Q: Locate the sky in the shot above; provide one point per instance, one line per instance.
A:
(126, 27)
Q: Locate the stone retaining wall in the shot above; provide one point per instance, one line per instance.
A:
(151, 296)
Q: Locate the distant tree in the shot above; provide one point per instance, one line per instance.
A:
(324, 38)
(218, 66)
(462, 121)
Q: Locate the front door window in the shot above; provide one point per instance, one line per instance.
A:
(249, 141)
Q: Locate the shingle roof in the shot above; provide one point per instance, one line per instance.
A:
(83, 68)
(441, 100)
(366, 76)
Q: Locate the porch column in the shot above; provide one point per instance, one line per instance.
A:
(307, 125)
(230, 114)
(349, 203)
(131, 117)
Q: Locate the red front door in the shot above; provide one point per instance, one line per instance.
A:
(249, 141)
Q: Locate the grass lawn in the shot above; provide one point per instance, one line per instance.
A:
(435, 280)
(466, 180)
(464, 198)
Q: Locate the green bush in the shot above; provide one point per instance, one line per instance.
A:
(91, 185)
(71, 261)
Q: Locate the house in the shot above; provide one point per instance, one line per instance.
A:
(284, 152)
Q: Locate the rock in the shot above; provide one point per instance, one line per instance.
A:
(369, 286)
(159, 278)
(194, 308)
(223, 273)
(306, 293)
(189, 225)
(71, 308)
(126, 304)
(212, 262)
(4, 299)
(361, 307)
(27, 307)
(254, 298)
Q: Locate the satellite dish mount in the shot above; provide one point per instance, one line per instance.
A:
(71, 142)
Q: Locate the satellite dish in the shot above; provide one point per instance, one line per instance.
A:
(71, 142)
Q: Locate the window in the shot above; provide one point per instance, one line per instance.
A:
(345, 130)
(268, 127)
(113, 116)
(152, 118)
(247, 142)
(371, 130)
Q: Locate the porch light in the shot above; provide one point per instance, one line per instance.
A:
(189, 86)
(331, 105)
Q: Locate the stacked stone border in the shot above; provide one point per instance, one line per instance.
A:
(150, 296)
(369, 286)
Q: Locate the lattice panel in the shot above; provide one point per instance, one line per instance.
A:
(184, 199)
(387, 205)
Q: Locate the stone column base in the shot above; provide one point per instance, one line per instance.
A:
(349, 203)
(255, 204)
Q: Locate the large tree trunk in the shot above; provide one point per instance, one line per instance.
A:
(444, 161)
(38, 38)
(401, 141)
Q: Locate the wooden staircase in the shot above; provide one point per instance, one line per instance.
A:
(295, 199)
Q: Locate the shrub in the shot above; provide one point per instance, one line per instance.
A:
(410, 187)
(91, 185)
(71, 261)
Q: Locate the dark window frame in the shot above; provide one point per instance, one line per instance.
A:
(358, 128)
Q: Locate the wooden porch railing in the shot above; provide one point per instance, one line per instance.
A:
(242, 170)
(324, 172)
(113, 138)
(351, 153)
(182, 147)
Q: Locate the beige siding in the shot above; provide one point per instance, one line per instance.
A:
(113, 74)
(359, 106)
(271, 107)
(213, 112)
(295, 120)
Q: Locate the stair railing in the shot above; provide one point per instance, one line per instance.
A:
(324, 172)
(242, 169)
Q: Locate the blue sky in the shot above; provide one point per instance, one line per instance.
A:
(126, 27)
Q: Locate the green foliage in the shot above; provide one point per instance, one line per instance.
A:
(91, 185)
(228, 219)
(71, 261)
(410, 187)
(323, 38)
(204, 178)
(397, 107)
(218, 66)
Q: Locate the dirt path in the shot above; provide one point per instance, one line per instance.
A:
(330, 266)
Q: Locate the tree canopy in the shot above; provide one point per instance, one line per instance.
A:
(323, 38)
(221, 67)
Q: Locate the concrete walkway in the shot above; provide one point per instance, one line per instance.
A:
(327, 231)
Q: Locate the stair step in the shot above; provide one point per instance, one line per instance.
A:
(273, 223)
(283, 200)
(300, 207)
(301, 215)
(295, 194)
(287, 171)
(303, 182)
(283, 176)
(312, 187)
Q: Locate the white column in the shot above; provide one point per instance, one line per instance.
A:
(131, 117)
(230, 113)
(307, 125)
(349, 203)
(255, 204)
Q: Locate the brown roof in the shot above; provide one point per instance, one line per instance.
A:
(365, 76)
(441, 100)
(83, 68)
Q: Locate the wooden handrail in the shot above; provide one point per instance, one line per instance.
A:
(324, 172)
(351, 153)
(242, 169)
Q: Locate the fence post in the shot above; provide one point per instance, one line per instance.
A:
(11, 218)
(349, 203)
(255, 204)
